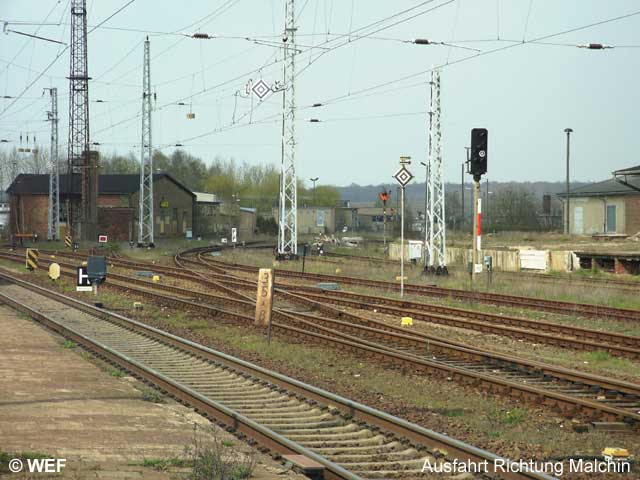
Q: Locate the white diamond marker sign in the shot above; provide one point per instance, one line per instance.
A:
(403, 176)
(261, 89)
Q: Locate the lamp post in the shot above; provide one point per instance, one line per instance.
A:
(426, 219)
(314, 180)
(567, 230)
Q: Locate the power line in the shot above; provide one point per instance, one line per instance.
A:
(41, 74)
(29, 41)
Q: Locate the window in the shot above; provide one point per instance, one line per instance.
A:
(578, 224)
(611, 219)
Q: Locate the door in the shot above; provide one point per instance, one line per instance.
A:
(578, 225)
(611, 219)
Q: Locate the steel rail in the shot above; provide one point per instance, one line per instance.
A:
(584, 339)
(263, 435)
(562, 399)
(328, 336)
(618, 344)
(612, 283)
(568, 308)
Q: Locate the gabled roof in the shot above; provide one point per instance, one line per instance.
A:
(608, 187)
(628, 171)
(108, 184)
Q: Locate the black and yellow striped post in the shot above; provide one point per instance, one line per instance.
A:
(68, 241)
(32, 258)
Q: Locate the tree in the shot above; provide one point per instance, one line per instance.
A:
(453, 214)
(119, 164)
(324, 196)
(514, 208)
(183, 166)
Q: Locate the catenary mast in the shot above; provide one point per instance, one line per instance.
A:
(288, 202)
(145, 222)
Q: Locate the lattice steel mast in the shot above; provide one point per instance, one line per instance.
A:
(53, 232)
(145, 221)
(78, 146)
(288, 204)
(435, 233)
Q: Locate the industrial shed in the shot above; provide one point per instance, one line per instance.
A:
(611, 207)
(117, 205)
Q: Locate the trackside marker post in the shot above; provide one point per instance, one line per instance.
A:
(31, 260)
(403, 177)
(264, 299)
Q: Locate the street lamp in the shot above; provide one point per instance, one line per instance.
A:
(314, 180)
(566, 225)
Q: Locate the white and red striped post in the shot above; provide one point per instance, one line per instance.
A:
(477, 228)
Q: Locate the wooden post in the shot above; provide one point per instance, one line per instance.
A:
(264, 297)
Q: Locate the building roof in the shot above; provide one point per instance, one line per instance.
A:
(607, 187)
(371, 210)
(628, 171)
(108, 184)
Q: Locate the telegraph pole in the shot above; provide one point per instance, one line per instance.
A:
(53, 232)
(145, 220)
(288, 203)
(435, 233)
(78, 161)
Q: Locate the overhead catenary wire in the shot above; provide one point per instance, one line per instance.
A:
(41, 74)
(467, 58)
(368, 89)
(532, 42)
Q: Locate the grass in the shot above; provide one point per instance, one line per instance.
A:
(457, 279)
(484, 416)
(163, 464)
(212, 458)
(5, 457)
(487, 417)
(208, 457)
(69, 344)
(151, 395)
(115, 372)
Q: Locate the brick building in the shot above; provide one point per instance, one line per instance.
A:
(117, 205)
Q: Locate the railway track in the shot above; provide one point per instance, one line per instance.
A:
(350, 440)
(567, 308)
(571, 279)
(592, 397)
(520, 328)
(532, 330)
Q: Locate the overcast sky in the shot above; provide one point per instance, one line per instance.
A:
(525, 95)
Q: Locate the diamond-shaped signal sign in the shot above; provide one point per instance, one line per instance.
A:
(261, 89)
(403, 176)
